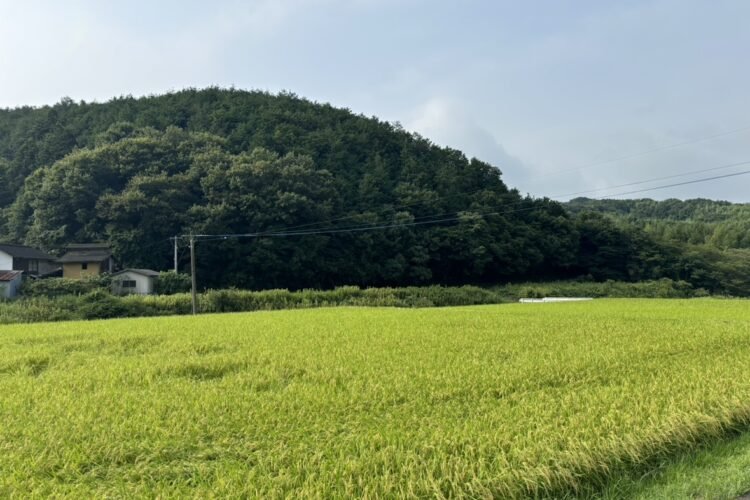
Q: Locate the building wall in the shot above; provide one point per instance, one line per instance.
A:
(74, 271)
(48, 266)
(34, 266)
(144, 285)
(6, 262)
(9, 289)
(14, 286)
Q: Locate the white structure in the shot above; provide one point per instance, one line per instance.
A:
(10, 281)
(139, 281)
(554, 299)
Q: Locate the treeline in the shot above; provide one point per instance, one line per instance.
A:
(134, 172)
(719, 224)
(701, 241)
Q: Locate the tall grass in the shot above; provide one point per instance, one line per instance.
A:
(515, 401)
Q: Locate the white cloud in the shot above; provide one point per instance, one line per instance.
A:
(446, 123)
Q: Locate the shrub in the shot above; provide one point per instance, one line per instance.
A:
(100, 304)
(170, 283)
(664, 288)
(56, 287)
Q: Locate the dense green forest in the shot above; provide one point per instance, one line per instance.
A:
(706, 242)
(135, 171)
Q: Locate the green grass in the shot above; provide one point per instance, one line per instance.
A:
(717, 471)
(507, 401)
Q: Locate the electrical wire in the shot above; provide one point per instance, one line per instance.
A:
(211, 237)
(696, 181)
(675, 176)
(526, 201)
(648, 151)
(470, 193)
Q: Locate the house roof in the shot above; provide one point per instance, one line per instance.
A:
(88, 246)
(24, 252)
(143, 272)
(86, 252)
(9, 275)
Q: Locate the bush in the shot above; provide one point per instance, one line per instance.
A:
(36, 310)
(100, 304)
(56, 287)
(170, 283)
(658, 289)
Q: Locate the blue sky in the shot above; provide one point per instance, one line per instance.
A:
(533, 87)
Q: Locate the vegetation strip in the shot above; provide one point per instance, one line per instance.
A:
(510, 401)
(717, 470)
(61, 299)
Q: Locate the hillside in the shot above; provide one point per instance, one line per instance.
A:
(134, 172)
(376, 205)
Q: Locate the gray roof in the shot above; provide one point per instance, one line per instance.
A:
(24, 252)
(88, 246)
(86, 252)
(144, 272)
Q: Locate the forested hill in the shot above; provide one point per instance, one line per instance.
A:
(698, 222)
(134, 172)
(377, 205)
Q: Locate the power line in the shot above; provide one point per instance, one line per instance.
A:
(194, 299)
(591, 165)
(675, 176)
(525, 201)
(362, 228)
(696, 181)
(649, 151)
(334, 231)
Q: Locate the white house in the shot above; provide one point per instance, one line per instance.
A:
(10, 281)
(27, 259)
(139, 281)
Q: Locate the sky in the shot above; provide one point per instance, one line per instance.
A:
(630, 90)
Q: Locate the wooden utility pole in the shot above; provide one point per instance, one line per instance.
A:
(175, 254)
(192, 274)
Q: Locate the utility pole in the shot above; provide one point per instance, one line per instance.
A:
(175, 254)
(192, 274)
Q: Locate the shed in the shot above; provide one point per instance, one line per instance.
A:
(10, 282)
(138, 281)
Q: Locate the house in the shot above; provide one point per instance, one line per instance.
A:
(86, 259)
(10, 282)
(139, 281)
(31, 261)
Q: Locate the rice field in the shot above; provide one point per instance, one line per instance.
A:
(484, 401)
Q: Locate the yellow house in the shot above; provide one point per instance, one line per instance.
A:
(86, 259)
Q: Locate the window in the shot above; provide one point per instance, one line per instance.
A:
(33, 266)
(128, 283)
(84, 266)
